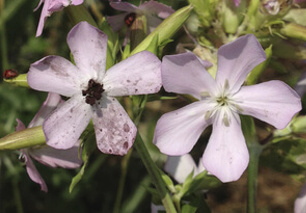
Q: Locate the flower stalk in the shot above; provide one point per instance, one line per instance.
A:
(154, 174)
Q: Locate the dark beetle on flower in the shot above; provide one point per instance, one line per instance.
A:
(9, 74)
(129, 19)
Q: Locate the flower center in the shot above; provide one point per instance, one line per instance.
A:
(129, 19)
(93, 93)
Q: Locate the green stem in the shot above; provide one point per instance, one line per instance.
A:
(124, 167)
(5, 63)
(19, 208)
(255, 151)
(154, 174)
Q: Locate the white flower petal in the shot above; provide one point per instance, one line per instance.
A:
(273, 102)
(115, 131)
(185, 74)
(237, 59)
(55, 74)
(300, 202)
(88, 46)
(66, 124)
(136, 75)
(226, 155)
(156, 8)
(33, 173)
(52, 101)
(49, 156)
(179, 167)
(177, 132)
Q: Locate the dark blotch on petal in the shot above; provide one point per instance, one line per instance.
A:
(126, 145)
(126, 127)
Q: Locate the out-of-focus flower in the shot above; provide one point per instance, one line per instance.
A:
(49, 7)
(300, 202)
(179, 167)
(47, 155)
(300, 86)
(154, 12)
(221, 100)
(93, 91)
(237, 2)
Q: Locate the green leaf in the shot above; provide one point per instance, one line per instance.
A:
(299, 124)
(89, 148)
(188, 208)
(166, 29)
(258, 70)
(288, 155)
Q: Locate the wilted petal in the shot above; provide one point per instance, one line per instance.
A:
(124, 6)
(136, 75)
(115, 131)
(20, 126)
(300, 202)
(185, 74)
(54, 74)
(33, 173)
(273, 102)
(226, 155)
(237, 59)
(45, 13)
(66, 124)
(52, 101)
(177, 132)
(152, 23)
(156, 8)
(179, 167)
(117, 22)
(88, 46)
(55, 157)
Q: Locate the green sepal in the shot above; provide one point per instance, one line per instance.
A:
(23, 139)
(295, 31)
(249, 130)
(88, 148)
(113, 44)
(79, 13)
(166, 29)
(287, 50)
(20, 80)
(203, 181)
(205, 9)
(296, 16)
(257, 71)
(231, 16)
(168, 182)
(299, 124)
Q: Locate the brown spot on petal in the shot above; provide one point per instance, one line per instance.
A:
(126, 127)
(126, 145)
(110, 151)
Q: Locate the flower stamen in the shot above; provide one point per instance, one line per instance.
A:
(93, 93)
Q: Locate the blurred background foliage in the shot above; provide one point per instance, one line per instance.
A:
(97, 191)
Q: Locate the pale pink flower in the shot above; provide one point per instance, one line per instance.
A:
(46, 155)
(300, 202)
(49, 7)
(154, 12)
(221, 100)
(179, 167)
(92, 91)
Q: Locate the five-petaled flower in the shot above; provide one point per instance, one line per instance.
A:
(51, 6)
(154, 12)
(221, 100)
(93, 91)
(46, 155)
